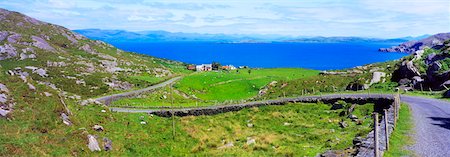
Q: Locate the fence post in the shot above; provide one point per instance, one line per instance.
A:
(395, 112)
(386, 128)
(376, 149)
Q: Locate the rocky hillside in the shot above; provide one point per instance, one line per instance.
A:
(427, 69)
(46, 74)
(434, 41)
(53, 55)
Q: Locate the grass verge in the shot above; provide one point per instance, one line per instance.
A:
(401, 137)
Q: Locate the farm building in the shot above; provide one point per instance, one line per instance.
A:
(204, 67)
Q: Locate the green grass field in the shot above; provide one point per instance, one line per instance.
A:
(209, 88)
(293, 129)
(235, 85)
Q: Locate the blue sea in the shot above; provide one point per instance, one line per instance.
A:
(320, 56)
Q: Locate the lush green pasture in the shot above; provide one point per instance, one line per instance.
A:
(162, 98)
(293, 129)
(235, 85)
(209, 88)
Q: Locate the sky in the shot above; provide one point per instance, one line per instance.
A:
(363, 18)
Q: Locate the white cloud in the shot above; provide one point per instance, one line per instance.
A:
(376, 18)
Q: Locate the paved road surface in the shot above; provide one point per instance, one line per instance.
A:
(107, 99)
(432, 126)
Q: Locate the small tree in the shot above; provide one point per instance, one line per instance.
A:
(249, 71)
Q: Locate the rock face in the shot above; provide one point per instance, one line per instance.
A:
(435, 41)
(376, 77)
(406, 70)
(433, 74)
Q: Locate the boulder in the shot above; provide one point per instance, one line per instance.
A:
(107, 144)
(343, 124)
(250, 141)
(23, 56)
(228, 145)
(93, 144)
(7, 51)
(31, 87)
(3, 98)
(4, 112)
(376, 77)
(3, 88)
(97, 127)
(41, 72)
(66, 119)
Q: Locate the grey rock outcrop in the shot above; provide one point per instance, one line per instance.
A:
(3, 88)
(3, 35)
(107, 144)
(65, 118)
(7, 51)
(41, 72)
(87, 49)
(3, 112)
(93, 143)
(119, 85)
(14, 38)
(41, 43)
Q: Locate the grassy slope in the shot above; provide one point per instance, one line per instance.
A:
(220, 86)
(41, 132)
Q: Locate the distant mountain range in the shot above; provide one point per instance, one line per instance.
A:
(164, 36)
(435, 41)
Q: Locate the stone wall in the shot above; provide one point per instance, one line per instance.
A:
(381, 101)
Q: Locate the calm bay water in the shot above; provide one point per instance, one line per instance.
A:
(320, 56)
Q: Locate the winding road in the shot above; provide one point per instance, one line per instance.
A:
(431, 117)
(431, 126)
(108, 99)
